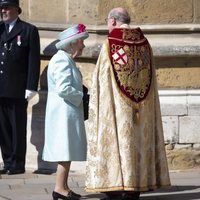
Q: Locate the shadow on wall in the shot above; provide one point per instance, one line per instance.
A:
(38, 118)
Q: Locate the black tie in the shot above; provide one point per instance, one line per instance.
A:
(7, 28)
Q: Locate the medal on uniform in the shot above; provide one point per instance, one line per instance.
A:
(19, 40)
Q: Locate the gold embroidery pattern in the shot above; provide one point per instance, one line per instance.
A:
(123, 155)
(135, 75)
(129, 34)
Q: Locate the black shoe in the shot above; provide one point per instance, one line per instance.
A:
(3, 171)
(112, 196)
(15, 171)
(131, 196)
(71, 196)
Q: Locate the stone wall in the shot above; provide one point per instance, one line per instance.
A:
(93, 12)
(180, 115)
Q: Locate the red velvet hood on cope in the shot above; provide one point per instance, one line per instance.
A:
(131, 58)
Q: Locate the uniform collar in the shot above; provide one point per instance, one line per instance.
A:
(12, 24)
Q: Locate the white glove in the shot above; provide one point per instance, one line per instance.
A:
(30, 94)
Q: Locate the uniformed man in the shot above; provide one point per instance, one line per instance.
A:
(19, 75)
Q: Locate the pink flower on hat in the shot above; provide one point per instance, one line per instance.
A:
(81, 28)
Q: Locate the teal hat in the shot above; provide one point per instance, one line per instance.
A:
(70, 34)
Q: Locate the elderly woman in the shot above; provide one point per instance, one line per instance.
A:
(65, 137)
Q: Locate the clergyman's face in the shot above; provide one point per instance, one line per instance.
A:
(110, 23)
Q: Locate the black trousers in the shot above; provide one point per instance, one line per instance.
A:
(13, 121)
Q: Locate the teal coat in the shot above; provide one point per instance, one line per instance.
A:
(65, 137)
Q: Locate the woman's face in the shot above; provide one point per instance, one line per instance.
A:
(77, 48)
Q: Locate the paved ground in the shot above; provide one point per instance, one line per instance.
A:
(35, 186)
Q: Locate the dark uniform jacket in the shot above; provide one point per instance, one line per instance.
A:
(19, 59)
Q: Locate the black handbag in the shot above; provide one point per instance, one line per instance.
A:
(86, 98)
